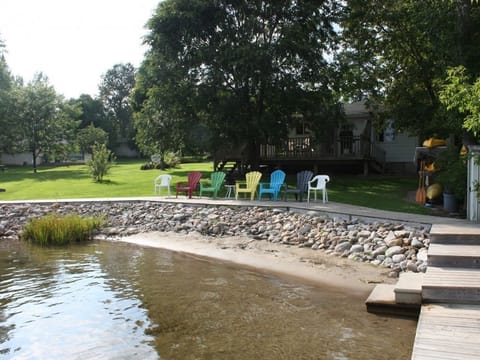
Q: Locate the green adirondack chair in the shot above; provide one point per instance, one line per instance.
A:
(216, 181)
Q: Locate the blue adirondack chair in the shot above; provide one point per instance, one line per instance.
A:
(277, 178)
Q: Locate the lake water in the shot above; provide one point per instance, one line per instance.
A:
(120, 301)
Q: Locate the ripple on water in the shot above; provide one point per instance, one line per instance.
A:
(104, 300)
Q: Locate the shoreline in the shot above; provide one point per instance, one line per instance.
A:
(298, 264)
(307, 245)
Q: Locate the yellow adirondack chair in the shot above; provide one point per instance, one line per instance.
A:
(250, 184)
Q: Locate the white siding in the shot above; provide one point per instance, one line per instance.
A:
(402, 149)
(19, 159)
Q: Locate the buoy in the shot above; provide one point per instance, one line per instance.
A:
(434, 191)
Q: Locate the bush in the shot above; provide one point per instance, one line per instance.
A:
(172, 159)
(60, 229)
(101, 162)
(452, 172)
(147, 166)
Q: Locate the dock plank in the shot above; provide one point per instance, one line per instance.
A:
(451, 277)
(448, 331)
(454, 250)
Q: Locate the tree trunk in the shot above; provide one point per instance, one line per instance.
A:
(34, 159)
(253, 153)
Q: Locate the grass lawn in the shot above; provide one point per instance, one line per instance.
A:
(126, 180)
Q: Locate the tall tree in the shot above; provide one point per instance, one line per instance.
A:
(45, 119)
(397, 54)
(9, 134)
(90, 136)
(240, 67)
(92, 112)
(114, 92)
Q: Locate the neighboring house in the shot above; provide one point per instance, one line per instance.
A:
(355, 146)
(25, 159)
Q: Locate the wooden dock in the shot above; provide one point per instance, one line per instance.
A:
(449, 321)
(448, 331)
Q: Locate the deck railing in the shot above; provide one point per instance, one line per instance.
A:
(304, 147)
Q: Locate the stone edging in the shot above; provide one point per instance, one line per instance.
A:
(398, 246)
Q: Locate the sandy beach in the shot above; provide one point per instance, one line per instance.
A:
(301, 264)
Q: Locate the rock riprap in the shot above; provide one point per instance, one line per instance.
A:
(400, 247)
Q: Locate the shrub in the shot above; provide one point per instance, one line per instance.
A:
(101, 162)
(452, 172)
(60, 229)
(147, 166)
(172, 159)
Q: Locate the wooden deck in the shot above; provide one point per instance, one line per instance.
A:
(448, 331)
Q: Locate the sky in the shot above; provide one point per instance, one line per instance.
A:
(73, 42)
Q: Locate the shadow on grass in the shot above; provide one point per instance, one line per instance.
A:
(108, 182)
(45, 175)
(184, 173)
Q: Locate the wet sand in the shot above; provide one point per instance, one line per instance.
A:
(288, 261)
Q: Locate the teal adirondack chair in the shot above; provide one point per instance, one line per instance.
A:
(277, 178)
(216, 181)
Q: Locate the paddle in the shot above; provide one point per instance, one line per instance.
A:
(420, 196)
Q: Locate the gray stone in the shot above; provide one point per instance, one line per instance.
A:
(393, 251)
(397, 258)
(343, 246)
(417, 243)
(379, 251)
(356, 248)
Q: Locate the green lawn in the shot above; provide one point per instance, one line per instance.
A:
(126, 180)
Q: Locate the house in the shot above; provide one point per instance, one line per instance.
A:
(355, 146)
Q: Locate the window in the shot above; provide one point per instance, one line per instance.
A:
(387, 134)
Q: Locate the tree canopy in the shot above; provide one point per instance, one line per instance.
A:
(45, 119)
(397, 53)
(242, 68)
(460, 95)
(114, 93)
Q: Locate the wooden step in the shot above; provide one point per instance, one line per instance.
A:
(382, 301)
(464, 233)
(408, 289)
(463, 256)
(448, 331)
(456, 285)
